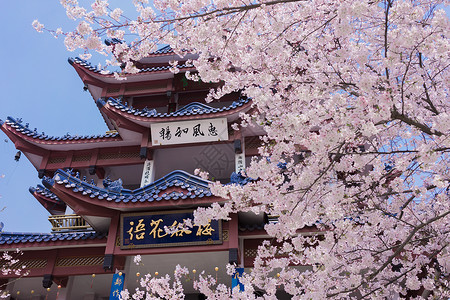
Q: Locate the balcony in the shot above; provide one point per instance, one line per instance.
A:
(68, 223)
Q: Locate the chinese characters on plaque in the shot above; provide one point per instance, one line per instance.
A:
(240, 162)
(117, 286)
(196, 131)
(235, 279)
(147, 173)
(147, 230)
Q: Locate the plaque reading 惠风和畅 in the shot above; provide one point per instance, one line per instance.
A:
(192, 131)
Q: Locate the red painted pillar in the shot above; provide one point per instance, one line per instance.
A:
(233, 233)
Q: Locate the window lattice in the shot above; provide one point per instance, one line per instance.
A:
(56, 160)
(30, 264)
(81, 158)
(250, 253)
(225, 235)
(143, 88)
(113, 90)
(118, 155)
(79, 261)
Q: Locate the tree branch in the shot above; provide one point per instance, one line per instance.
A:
(226, 10)
(395, 115)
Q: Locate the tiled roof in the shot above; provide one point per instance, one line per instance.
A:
(45, 192)
(192, 186)
(163, 50)
(49, 201)
(17, 238)
(87, 65)
(113, 41)
(17, 125)
(191, 109)
(251, 227)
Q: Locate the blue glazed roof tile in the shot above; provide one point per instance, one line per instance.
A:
(195, 187)
(16, 237)
(17, 125)
(164, 50)
(251, 227)
(192, 109)
(45, 192)
(87, 65)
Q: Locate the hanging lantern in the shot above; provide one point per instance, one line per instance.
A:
(59, 288)
(92, 282)
(17, 156)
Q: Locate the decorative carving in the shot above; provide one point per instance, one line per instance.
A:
(250, 252)
(225, 235)
(113, 186)
(108, 262)
(238, 178)
(47, 281)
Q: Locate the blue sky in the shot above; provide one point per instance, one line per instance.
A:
(39, 86)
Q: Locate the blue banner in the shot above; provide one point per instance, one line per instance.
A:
(116, 286)
(235, 280)
(147, 230)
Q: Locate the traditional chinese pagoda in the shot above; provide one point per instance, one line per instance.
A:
(111, 195)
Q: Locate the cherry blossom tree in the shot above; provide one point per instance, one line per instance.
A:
(9, 262)
(354, 99)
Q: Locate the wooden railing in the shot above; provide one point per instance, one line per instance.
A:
(68, 222)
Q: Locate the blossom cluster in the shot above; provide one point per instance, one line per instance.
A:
(10, 264)
(353, 97)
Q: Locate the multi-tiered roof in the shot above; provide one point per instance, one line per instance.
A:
(88, 182)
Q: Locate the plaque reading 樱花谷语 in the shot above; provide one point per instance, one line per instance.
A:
(148, 230)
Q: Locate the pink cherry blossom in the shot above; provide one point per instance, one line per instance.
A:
(353, 97)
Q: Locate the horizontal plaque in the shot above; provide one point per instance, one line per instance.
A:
(192, 131)
(147, 230)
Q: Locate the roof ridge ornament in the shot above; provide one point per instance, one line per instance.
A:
(113, 186)
(238, 178)
(193, 108)
(195, 187)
